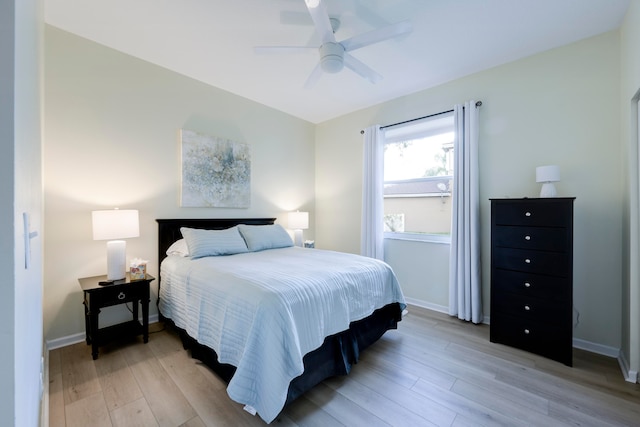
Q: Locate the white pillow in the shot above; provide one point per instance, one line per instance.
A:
(261, 237)
(178, 248)
(203, 243)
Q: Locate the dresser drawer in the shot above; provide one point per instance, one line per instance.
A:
(548, 263)
(531, 309)
(538, 238)
(548, 213)
(529, 284)
(553, 341)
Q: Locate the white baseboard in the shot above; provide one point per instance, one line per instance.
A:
(427, 305)
(65, 341)
(79, 337)
(592, 347)
(436, 307)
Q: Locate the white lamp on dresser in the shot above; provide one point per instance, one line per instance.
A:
(547, 175)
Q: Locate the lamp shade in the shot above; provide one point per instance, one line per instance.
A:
(115, 224)
(298, 220)
(548, 173)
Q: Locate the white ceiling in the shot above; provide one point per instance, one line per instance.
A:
(212, 41)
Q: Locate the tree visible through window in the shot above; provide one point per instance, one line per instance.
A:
(418, 177)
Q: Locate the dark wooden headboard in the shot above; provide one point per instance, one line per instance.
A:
(169, 229)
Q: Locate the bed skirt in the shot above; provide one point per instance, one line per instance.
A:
(334, 357)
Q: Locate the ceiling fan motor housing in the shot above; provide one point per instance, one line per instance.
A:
(331, 57)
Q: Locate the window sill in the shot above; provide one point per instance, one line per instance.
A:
(417, 237)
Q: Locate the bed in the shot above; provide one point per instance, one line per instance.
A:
(271, 319)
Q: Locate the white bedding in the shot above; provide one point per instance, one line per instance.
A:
(263, 311)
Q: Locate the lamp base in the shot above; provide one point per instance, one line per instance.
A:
(548, 190)
(297, 237)
(116, 259)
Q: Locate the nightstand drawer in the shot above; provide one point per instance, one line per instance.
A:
(549, 263)
(527, 308)
(548, 214)
(121, 294)
(529, 284)
(536, 238)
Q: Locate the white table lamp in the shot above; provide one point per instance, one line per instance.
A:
(298, 221)
(114, 225)
(547, 175)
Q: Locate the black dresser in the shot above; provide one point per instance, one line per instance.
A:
(532, 275)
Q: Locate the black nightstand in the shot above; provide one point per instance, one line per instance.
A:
(120, 292)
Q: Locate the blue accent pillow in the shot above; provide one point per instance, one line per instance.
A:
(203, 243)
(261, 237)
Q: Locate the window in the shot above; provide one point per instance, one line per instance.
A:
(418, 179)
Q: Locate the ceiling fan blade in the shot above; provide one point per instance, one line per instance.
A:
(320, 17)
(361, 69)
(375, 36)
(313, 77)
(283, 49)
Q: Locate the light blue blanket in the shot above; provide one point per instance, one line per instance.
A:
(263, 311)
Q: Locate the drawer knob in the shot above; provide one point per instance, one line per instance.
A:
(121, 295)
(527, 237)
(526, 332)
(527, 284)
(527, 214)
(527, 260)
(527, 308)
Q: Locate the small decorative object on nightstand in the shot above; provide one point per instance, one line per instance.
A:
(97, 296)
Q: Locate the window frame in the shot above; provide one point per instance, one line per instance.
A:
(431, 126)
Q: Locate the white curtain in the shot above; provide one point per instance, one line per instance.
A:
(371, 241)
(465, 290)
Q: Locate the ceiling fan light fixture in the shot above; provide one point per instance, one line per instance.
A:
(331, 57)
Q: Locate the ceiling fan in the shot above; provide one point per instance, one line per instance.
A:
(334, 55)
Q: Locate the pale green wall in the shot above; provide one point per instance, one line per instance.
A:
(111, 139)
(630, 87)
(559, 107)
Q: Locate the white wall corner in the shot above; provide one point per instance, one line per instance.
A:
(629, 375)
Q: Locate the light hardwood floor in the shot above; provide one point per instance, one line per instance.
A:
(433, 370)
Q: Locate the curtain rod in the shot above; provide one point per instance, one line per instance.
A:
(478, 104)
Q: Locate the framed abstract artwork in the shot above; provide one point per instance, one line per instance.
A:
(216, 172)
